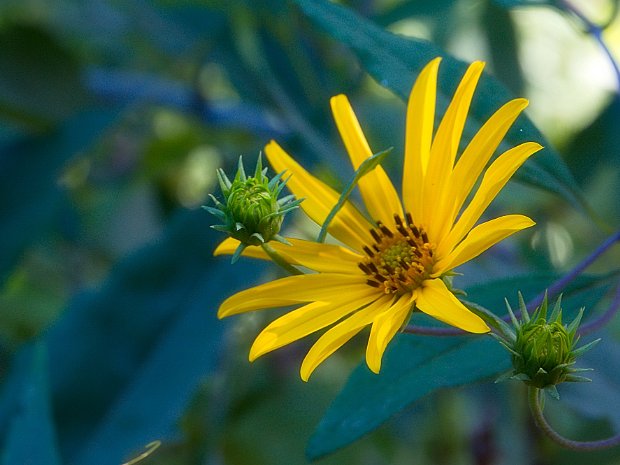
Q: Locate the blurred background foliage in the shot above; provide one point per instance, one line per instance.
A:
(113, 118)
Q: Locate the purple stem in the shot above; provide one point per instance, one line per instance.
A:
(602, 320)
(561, 283)
(597, 33)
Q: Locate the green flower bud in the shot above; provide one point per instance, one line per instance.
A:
(544, 352)
(543, 349)
(251, 211)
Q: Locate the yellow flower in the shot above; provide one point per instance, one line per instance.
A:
(393, 263)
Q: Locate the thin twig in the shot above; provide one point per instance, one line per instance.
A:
(597, 32)
(603, 319)
(555, 288)
(540, 420)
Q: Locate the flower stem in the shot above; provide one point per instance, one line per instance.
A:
(534, 400)
(279, 260)
(597, 33)
(561, 283)
(603, 319)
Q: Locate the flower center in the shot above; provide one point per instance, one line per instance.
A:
(400, 258)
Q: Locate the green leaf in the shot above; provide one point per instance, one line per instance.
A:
(501, 39)
(518, 3)
(31, 438)
(365, 167)
(598, 145)
(404, 10)
(395, 61)
(141, 344)
(156, 396)
(40, 80)
(593, 399)
(30, 168)
(415, 366)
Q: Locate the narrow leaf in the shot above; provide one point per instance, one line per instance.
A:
(365, 167)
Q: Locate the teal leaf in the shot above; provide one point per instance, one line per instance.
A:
(501, 39)
(415, 366)
(405, 10)
(593, 399)
(365, 167)
(31, 438)
(395, 61)
(518, 3)
(129, 356)
(154, 400)
(40, 80)
(30, 167)
(598, 145)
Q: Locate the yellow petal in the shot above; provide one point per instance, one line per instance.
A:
(377, 190)
(436, 300)
(349, 226)
(479, 151)
(384, 328)
(306, 320)
(494, 180)
(337, 336)
(418, 137)
(481, 238)
(293, 290)
(437, 195)
(327, 258)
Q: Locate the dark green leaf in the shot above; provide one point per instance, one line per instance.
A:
(30, 167)
(593, 399)
(404, 10)
(394, 61)
(128, 357)
(517, 3)
(501, 38)
(31, 438)
(415, 366)
(40, 80)
(598, 144)
(153, 401)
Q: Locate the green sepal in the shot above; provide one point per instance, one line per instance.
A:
(583, 349)
(251, 211)
(552, 391)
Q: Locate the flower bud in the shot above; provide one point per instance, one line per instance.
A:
(543, 349)
(251, 211)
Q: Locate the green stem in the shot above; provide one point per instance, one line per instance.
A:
(537, 412)
(278, 260)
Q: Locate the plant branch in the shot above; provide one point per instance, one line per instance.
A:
(555, 288)
(602, 320)
(597, 32)
(534, 401)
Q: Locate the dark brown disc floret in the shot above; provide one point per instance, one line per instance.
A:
(400, 258)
